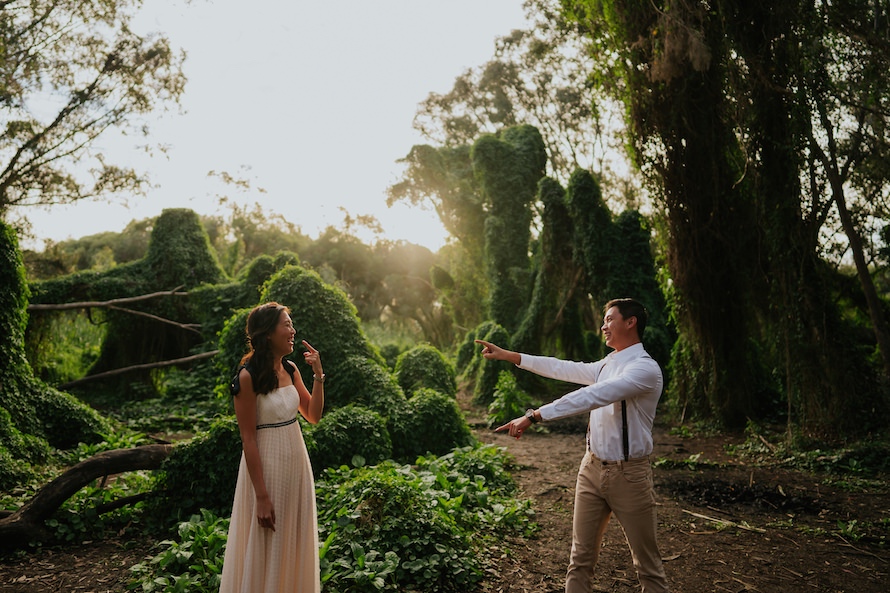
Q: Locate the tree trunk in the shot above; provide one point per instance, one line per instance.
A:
(27, 523)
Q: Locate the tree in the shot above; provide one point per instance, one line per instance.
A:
(509, 167)
(538, 77)
(718, 122)
(72, 70)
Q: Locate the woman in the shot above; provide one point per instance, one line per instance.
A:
(273, 534)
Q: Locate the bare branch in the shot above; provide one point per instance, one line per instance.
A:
(140, 367)
(109, 303)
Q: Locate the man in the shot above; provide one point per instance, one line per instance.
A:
(621, 393)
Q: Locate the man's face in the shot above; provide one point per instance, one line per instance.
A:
(618, 331)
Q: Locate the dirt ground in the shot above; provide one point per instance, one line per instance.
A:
(723, 526)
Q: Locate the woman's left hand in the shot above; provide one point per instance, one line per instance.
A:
(313, 359)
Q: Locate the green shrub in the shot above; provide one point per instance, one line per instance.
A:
(364, 382)
(509, 402)
(430, 423)
(33, 407)
(13, 471)
(193, 564)
(493, 464)
(384, 530)
(347, 433)
(200, 473)
(425, 528)
(424, 366)
(480, 373)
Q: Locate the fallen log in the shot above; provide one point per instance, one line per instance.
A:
(27, 523)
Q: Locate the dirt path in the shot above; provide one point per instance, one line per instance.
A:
(773, 530)
(779, 532)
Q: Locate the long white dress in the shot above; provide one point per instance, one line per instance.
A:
(259, 560)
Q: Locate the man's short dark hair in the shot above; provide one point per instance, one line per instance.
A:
(630, 308)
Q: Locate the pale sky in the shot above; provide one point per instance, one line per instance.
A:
(311, 101)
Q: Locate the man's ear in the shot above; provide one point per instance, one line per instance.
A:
(631, 322)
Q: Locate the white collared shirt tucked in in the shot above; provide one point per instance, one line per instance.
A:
(630, 374)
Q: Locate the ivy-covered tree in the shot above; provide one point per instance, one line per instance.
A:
(180, 258)
(720, 120)
(560, 316)
(509, 167)
(33, 416)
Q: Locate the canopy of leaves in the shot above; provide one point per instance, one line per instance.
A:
(71, 71)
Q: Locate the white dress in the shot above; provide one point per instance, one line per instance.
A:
(259, 560)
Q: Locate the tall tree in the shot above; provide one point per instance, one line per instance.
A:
(717, 122)
(72, 70)
(509, 167)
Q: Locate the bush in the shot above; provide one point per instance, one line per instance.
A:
(425, 528)
(430, 423)
(200, 473)
(493, 464)
(482, 374)
(346, 433)
(363, 382)
(383, 530)
(193, 564)
(509, 402)
(424, 366)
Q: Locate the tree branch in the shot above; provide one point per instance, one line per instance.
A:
(110, 303)
(139, 367)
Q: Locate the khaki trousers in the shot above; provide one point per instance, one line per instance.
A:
(626, 489)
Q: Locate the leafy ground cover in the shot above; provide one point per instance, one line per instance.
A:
(728, 522)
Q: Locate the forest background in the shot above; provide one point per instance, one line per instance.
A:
(752, 224)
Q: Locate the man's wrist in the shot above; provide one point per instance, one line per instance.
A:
(533, 415)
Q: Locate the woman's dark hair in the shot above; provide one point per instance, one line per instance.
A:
(261, 323)
(631, 308)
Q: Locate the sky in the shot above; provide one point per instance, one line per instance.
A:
(311, 103)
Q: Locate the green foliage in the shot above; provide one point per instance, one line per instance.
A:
(79, 519)
(32, 414)
(179, 253)
(560, 318)
(324, 316)
(193, 564)
(13, 469)
(174, 412)
(489, 463)
(362, 381)
(480, 373)
(425, 366)
(347, 433)
(430, 423)
(200, 473)
(62, 346)
(256, 273)
(509, 402)
(94, 75)
(416, 529)
(509, 167)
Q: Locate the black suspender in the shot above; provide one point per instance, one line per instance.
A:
(625, 441)
(624, 438)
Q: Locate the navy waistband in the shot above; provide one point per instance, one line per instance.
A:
(277, 424)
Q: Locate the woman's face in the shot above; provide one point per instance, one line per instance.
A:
(281, 340)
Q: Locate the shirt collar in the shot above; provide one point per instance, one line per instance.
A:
(629, 353)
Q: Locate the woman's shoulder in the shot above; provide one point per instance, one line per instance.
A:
(243, 373)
